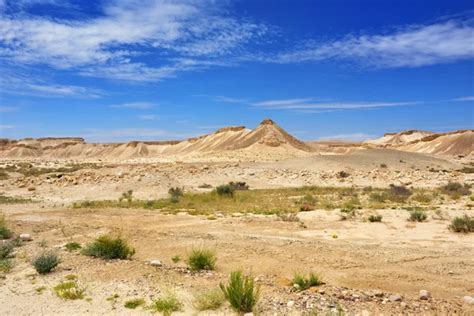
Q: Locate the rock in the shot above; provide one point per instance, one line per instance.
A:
(395, 298)
(156, 263)
(424, 295)
(25, 237)
(290, 303)
(248, 314)
(403, 304)
(468, 299)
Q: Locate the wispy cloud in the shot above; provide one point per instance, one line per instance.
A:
(134, 105)
(412, 46)
(148, 117)
(306, 104)
(4, 127)
(463, 99)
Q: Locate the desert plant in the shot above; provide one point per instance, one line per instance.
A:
(375, 218)
(463, 224)
(225, 190)
(382, 165)
(241, 292)
(378, 197)
(73, 246)
(166, 304)
(5, 232)
(134, 303)
(107, 247)
(46, 262)
(302, 282)
(69, 290)
(422, 198)
(417, 215)
(6, 264)
(6, 249)
(127, 196)
(455, 189)
(201, 259)
(286, 216)
(398, 193)
(239, 185)
(176, 258)
(342, 174)
(208, 300)
(175, 194)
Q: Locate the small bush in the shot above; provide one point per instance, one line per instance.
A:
(383, 166)
(134, 303)
(378, 197)
(417, 215)
(107, 247)
(176, 258)
(398, 193)
(127, 196)
(6, 250)
(342, 174)
(166, 304)
(175, 193)
(375, 218)
(464, 224)
(241, 292)
(455, 189)
(201, 259)
(6, 265)
(225, 190)
(209, 300)
(239, 185)
(288, 216)
(422, 198)
(69, 290)
(5, 233)
(73, 246)
(302, 282)
(46, 262)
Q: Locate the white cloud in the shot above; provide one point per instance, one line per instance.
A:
(412, 46)
(462, 99)
(4, 127)
(148, 117)
(107, 46)
(305, 104)
(134, 105)
(282, 103)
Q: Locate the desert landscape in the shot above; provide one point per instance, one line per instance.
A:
(377, 227)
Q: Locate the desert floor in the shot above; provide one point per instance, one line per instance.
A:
(364, 265)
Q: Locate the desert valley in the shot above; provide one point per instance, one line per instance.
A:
(382, 226)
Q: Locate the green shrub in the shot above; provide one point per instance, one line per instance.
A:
(5, 233)
(302, 282)
(417, 215)
(175, 193)
(69, 290)
(127, 196)
(73, 246)
(201, 259)
(166, 304)
(46, 262)
(6, 249)
(375, 218)
(209, 300)
(176, 258)
(107, 247)
(6, 264)
(464, 224)
(422, 198)
(239, 185)
(378, 197)
(225, 190)
(134, 303)
(241, 292)
(455, 189)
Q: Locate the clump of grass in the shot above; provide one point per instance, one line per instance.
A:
(134, 303)
(6, 250)
(175, 193)
(398, 193)
(378, 197)
(302, 282)
(176, 258)
(6, 265)
(201, 259)
(241, 292)
(46, 262)
(107, 247)
(209, 300)
(69, 290)
(5, 232)
(40, 289)
(70, 277)
(166, 304)
(127, 196)
(375, 218)
(422, 198)
(225, 190)
(12, 200)
(455, 189)
(288, 216)
(73, 246)
(463, 224)
(417, 215)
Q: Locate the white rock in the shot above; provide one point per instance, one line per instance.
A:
(290, 303)
(25, 237)
(424, 295)
(156, 263)
(468, 299)
(395, 298)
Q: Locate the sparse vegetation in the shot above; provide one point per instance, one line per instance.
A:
(302, 282)
(176, 193)
(455, 189)
(422, 198)
(28, 170)
(46, 262)
(134, 303)
(375, 218)
(69, 290)
(107, 247)
(127, 196)
(208, 300)
(463, 224)
(201, 259)
(6, 250)
(12, 200)
(398, 193)
(6, 265)
(166, 304)
(241, 292)
(73, 246)
(225, 190)
(5, 232)
(467, 170)
(176, 258)
(417, 215)
(240, 186)
(342, 174)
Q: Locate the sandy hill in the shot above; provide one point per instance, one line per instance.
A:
(267, 137)
(394, 139)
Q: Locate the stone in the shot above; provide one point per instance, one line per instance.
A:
(156, 263)
(468, 299)
(424, 295)
(395, 298)
(25, 237)
(290, 303)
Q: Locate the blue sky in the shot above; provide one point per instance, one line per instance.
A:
(128, 69)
